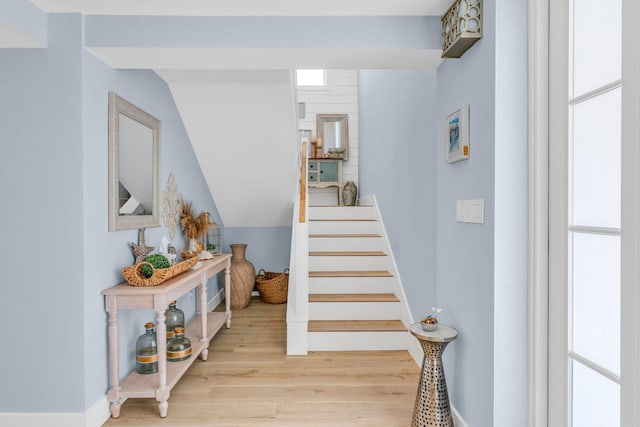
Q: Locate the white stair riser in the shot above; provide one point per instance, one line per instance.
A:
(352, 285)
(349, 263)
(355, 310)
(347, 244)
(344, 227)
(343, 212)
(358, 341)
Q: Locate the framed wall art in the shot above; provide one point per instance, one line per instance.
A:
(457, 134)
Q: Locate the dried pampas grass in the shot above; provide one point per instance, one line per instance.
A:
(192, 226)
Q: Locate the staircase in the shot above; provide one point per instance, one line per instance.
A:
(355, 298)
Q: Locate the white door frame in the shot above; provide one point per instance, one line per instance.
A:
(538, 242)
(630, 243)
(542, 123)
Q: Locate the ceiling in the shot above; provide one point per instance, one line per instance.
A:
(249, 7)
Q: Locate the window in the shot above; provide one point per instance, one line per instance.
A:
(311, 77)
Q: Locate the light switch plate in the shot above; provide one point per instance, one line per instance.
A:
(470, 211)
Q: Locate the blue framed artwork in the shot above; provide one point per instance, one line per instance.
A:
(457, 135)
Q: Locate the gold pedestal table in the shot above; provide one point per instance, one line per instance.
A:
(432, 400)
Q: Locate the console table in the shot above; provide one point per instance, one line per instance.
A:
(323, 173)
(200, 330)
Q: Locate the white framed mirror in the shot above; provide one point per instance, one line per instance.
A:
(334, 131)
(134, 166)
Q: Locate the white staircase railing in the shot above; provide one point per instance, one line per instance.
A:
(298, 296)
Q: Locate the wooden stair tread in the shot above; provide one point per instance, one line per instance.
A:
(331, 235)
(356, 326)
(342, 219)
(347, 253)
(380, 273)
(353, 298)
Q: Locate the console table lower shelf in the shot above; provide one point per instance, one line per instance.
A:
(139, 385)
(200, 330)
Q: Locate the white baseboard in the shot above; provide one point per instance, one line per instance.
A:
(95, 416)
(215, 300)
(41, 419)
(457, 419)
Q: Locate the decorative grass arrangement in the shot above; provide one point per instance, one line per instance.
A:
(194, 227)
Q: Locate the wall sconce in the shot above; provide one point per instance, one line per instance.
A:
(461, 27)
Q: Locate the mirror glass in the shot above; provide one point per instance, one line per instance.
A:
(134, 163)
(334, 131)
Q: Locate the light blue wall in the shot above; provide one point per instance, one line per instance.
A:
(25, 17)
(510, 296)
(481, 275)
(268, 247)
(397, 132)
(42, 209)
(107, 252)
(54, 116)
(465, 252)
(406, 32)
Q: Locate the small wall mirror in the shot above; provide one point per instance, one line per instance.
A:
(134, 166)
(334, 131)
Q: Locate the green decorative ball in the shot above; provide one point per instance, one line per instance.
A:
(157, 260)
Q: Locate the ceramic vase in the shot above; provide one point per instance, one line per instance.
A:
(349, 194)
(243, 277)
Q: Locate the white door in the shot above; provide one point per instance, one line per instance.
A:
(585, 187)
(593, 213)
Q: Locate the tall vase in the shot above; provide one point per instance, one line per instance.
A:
(243, 277)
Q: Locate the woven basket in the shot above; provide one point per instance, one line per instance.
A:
(134, 276)
(273, 287)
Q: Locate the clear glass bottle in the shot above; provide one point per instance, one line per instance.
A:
(174, 317)
(147, 351)
(179, 348)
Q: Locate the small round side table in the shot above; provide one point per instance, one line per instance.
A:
(432, 400)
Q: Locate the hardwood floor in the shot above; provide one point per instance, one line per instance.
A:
(248, 380)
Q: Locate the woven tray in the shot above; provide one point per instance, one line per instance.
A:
(134, 276)
(273, 287)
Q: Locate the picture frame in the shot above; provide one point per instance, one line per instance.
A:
(457, 134)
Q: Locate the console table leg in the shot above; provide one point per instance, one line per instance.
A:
(227, 293)
(203, 317)
(115, 409)
(164, 408)
(114, 392)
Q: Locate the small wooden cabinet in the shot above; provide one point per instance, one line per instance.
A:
(324, 173)
(200, 330)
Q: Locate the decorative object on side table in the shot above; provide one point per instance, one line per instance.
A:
(273, 287)
(135, 276)
(194, 227)
(141, 250)
(147, 351)
(350, 194)
(212, 239)
(171, 202)
(430, 323)
(174, 318)
(243, 277)
(179, 347)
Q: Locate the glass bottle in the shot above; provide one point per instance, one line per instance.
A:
(174, 317)
(147, 351)
(179, 348)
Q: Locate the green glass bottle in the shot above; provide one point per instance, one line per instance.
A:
(147, 351)
(179, 348)
(174, 317)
